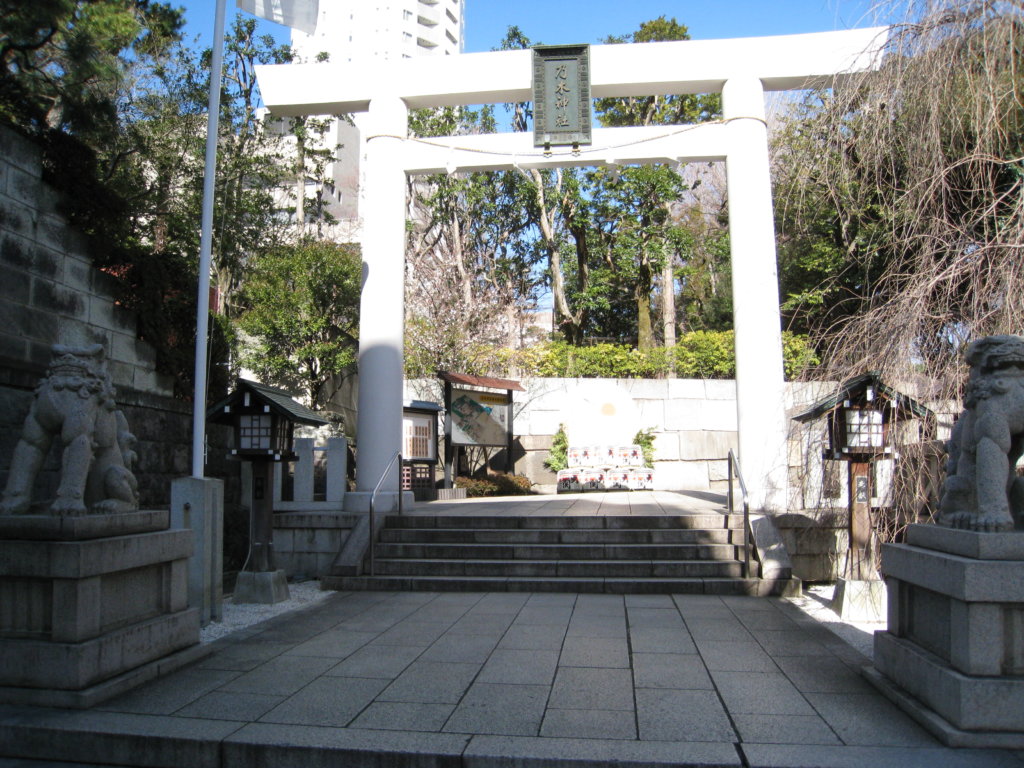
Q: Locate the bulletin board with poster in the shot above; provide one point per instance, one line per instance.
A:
(479, 414)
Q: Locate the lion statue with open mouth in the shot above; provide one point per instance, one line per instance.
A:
(982, 491)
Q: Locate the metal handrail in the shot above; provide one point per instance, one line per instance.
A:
(735, 463)
(396, 458)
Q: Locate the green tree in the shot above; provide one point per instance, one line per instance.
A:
(302, 314)
(64, 62)
(901, 212)
(637, 210)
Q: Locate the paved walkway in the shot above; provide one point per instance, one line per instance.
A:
(580, 504)
(502, 679)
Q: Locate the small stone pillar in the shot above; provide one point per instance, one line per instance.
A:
(197, 505)
(260, 581)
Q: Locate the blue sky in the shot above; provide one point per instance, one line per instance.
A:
(590, 21)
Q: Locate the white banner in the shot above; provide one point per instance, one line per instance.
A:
(298, 14)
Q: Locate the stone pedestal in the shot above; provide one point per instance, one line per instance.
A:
(953, 654)
(91, 606)
(266, 587)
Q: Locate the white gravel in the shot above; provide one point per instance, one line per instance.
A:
(236, 617)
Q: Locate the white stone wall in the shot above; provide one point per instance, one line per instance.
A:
(693, 420)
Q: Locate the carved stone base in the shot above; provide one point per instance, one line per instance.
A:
(80, 607)
(953, 654)
(266, 587)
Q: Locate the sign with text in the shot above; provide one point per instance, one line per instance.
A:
(479, 418)
(561, 95)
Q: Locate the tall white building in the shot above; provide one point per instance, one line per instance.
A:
(363, 30)
(357, 31)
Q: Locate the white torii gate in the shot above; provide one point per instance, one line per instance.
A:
(741, 69)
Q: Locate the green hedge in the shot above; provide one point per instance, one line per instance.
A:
(497, 484)
(697, 355)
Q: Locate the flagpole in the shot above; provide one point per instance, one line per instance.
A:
(206, 246)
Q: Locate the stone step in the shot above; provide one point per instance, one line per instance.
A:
(558, 551)
(696, 586)
(638, 569)
(710, 521)
(564, 536)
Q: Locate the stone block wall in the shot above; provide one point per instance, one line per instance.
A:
(51, 294)
(306, 543)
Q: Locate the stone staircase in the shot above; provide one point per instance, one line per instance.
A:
(699, 553)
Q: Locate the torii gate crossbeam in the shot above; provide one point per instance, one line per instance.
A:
(741, 69)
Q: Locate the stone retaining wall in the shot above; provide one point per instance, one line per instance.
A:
(51, 294)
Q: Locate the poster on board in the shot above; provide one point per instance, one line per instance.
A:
(479, 418)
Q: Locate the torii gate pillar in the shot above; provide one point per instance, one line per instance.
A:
(381, 305)
(760, 394)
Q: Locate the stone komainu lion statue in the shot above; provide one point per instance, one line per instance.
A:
(982, 491)
(75, 403)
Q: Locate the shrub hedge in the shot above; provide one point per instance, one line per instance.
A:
(697, 355)
(497, 484)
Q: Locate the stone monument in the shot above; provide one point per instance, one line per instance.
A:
(953, 653)
(93, 595)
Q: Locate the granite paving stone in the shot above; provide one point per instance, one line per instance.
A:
(432, 682)
(681, 715)
(540, 637)
(816, 674)
(335, 644)
(702, 607)
(452, 646)
(243, 656)
(295, 746)
(490, 624)
(597, 627)
(868, 719)
(650, 601)
(383, 661)
(281, 676)
(221, 705)
(557, 615)
(330, 701)
(760, 693)
(594, 652)
(590, 688)
(501, 602)
(513, 710)
(589, 723)
(170, 694)
(661, 640)
(783, 729)
(412, 633)
(765, 620)
(520, 667)
(728, 629)
(793, 756)
(735, 656)
(670, 670)
(789, 642)
(527, 752)
(655, 617)
(404, 716)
